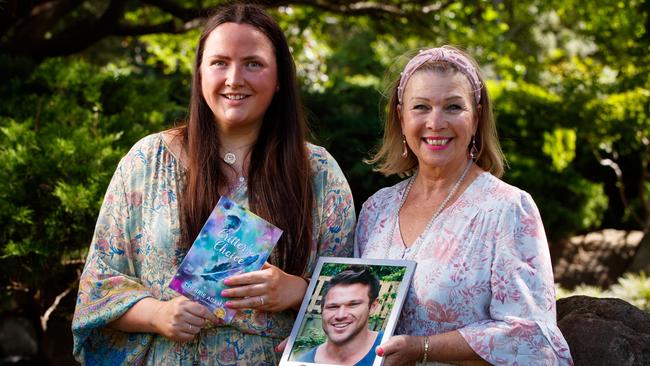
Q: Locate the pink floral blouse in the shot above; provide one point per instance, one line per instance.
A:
(483, 269)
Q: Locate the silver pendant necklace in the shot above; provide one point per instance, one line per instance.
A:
(230, 158)
(415, 246)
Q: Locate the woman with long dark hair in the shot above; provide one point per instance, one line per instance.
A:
(244, 138)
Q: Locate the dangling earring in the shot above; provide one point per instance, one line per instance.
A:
(405, 151)
(473, 151)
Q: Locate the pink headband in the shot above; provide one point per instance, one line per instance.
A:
(441, 54)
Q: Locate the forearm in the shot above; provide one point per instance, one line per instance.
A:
(451, 347)
(139, 318)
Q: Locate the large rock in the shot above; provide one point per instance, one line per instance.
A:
(604, 331)
(598, 258)
(18, 344)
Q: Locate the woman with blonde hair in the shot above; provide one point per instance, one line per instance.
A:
(483, 290)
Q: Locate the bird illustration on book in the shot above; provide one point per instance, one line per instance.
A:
(231, 224)
(225, 269)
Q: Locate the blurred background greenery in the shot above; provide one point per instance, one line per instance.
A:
(82, 80)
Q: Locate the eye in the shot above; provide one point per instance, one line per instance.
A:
(218, 63)
(421, 107)
(254, 64)
(455, 107)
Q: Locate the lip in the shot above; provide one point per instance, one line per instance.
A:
(440, 143)
(240, 98)
(340, 327)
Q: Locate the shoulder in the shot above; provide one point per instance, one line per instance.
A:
(384, 198)
(495, 193)
(320, 159)
(146, 157)
(326, 173)
(512, 209)
(145, 149)
(308, 356)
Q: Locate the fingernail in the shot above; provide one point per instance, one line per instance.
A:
(380, 351)
(228, 304)
(224, 293)
(226, 281)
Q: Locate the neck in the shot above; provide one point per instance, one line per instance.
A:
(238, 142)
(430, 182)
(350, 352)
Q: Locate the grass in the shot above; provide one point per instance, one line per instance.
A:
(631, 287)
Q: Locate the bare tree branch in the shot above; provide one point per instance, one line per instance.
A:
(46, 316)
(610, 163)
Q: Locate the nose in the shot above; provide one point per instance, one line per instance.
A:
(234, 76)
(341, 312)
(436, 119)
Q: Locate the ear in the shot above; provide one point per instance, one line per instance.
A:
(398, 109)
(374, 305)
(479, 110)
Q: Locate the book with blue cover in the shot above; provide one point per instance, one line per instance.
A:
(233, 240)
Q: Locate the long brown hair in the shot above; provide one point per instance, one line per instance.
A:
(279, 178)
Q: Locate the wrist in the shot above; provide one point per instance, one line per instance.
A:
(152, 321)
(301, 285)
(425, 350)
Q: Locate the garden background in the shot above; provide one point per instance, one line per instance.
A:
(82, 80)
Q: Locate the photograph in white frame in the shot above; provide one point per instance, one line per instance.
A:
(343, 281)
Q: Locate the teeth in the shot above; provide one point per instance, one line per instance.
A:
(235, 96)
(437, 142)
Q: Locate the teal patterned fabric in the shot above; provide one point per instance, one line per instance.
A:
(134, 255)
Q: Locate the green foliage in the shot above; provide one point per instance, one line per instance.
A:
(312, 337)
(383, 273)
(537, 138)
(560, 146)
(63, 127)
(633, 288)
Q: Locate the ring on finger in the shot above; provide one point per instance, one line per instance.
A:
(189, 326)
(262, 300)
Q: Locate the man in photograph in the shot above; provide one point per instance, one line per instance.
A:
(349, 299)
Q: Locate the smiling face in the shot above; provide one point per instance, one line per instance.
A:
(345, 312)
(438, 119)
(238, 75)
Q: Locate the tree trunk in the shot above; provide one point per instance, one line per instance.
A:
(641, 261)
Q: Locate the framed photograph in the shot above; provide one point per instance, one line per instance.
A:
(351, 306)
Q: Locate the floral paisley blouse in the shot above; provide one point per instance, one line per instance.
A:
(134, 255)
(483, 269)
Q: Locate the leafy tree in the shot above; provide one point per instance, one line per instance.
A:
(63, 128)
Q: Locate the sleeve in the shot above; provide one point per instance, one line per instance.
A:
(522, 329)
(361, 230)
(109, 285)
(334, 203)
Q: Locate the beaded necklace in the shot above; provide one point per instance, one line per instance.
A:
(414, 248)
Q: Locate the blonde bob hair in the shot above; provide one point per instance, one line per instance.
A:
(388, 158)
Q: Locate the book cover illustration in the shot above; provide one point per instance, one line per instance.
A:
(233, 240)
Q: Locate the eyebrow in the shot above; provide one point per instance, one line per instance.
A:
(354, 301)
(453, 97)
(246, 58)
